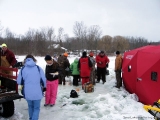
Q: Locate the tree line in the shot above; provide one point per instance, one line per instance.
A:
(43, 41)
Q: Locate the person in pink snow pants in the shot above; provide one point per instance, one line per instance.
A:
(51, 72)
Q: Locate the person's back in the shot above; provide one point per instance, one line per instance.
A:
(118, 62)
(75, 71)
(85, 69)
(59, 60)
(31, 77)
(63, 64)
(74, 67)
(84, 66)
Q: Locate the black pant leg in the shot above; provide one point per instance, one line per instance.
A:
(98, 74)
(76, 80)
(103, 71)
(73, 79)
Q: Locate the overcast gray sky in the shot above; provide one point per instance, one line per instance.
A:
(138, 18)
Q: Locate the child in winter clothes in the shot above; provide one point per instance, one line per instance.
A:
(75, 71)
(51, 72)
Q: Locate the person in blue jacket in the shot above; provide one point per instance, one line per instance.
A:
(32, 75)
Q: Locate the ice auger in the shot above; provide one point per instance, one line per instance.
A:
(154, 110)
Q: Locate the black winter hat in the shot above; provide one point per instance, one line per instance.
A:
(102, 51)
(48, 57)
(117, 52)
(84, 54)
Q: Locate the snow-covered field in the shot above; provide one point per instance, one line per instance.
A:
(105, 103)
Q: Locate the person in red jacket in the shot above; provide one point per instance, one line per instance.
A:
(85, 66)
(7, 58)
(101, 60)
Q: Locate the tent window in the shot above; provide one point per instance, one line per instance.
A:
(129, 68)
(154, 76)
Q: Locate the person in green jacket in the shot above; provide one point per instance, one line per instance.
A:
(75, 72)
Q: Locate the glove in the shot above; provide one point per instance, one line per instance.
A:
(56, 73)
(52, 74)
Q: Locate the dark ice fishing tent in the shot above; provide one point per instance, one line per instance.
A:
(141, 73)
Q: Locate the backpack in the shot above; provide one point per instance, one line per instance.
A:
(73, 94)
(88, 87)
(22, 81)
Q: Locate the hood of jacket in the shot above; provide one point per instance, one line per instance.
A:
(29, 62)
(76, 61)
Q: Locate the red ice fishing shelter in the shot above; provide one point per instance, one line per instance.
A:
(141, 73)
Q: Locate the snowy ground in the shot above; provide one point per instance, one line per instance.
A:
(105, 103)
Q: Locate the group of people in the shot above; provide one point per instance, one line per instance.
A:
(82, 69)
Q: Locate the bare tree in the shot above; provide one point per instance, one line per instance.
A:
(80, 31)
(49, 38)
(120, 43)
(135, 42)
(94, 34)
(68, 44)
(40, 42)
(29, 39)
(8, 33)
(60, 36)
(9, 37)
(106, 43)
(48, 34)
